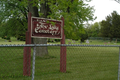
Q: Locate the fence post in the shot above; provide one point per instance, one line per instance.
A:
(63, 51)
(27, 50)
(33, 66)
(119, 65)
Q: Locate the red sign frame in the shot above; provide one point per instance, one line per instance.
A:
(46, 28)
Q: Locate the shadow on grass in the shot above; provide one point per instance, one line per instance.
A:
(14, 77)
(45, 57)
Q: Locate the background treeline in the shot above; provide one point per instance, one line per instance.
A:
(14, 16)
(110, 27)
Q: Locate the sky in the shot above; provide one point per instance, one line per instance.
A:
(103, 8)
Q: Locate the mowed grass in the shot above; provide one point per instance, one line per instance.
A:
(13, 41)
(83, 63)
(68, 41)
(11, 63)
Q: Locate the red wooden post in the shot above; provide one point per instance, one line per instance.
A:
(63, 51)
(27, 50)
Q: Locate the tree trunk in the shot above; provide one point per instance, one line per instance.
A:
(111, 39)
(116, 40)
(40, 51)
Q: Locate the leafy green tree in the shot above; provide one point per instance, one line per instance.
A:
(13, 27)
(88, 29)
(14, 15)
(104, 29)
(84, 36)
(115, 25)
(93, 30)
(110, 26)
(75, 13)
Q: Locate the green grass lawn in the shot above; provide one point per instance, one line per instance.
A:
(93, 42)
(68, 41)
(83, 63)
(13, 41)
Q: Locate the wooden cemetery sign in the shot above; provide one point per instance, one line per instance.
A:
(46, 28)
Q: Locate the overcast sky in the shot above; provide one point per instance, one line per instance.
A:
(104, 8)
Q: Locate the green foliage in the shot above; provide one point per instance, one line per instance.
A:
(104, 29)
(13, 27)
(75, 13)
(111, 26)
(84, 36)
(13, 8)
(14, 18)
(93, 30)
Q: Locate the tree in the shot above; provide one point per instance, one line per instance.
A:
(115, 24)
(93, 30)
(84, 36)
(104, 29)
(110, 26)
(13, 27)
(87, 27)
(75, 13)
(14, 15)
